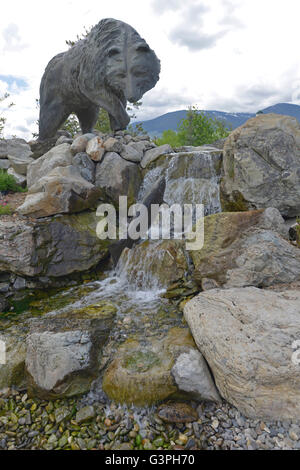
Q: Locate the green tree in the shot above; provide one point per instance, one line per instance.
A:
(199, 129)
(72, 125)
(169, 137)
(103, 123)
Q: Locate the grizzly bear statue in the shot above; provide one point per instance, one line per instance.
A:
(111, 66)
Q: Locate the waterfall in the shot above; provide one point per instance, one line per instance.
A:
(191, 178)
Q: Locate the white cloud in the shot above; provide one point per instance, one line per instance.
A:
(232, 55)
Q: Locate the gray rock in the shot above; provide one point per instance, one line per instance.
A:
(141, 146)
(118, 177)
(40, 148)
(261, 165)
(18, 148)
(80, 143)
(86, 166)
(153, 154)
(192, 375)
(59, 156)
(131, 154)
(100, 60)
(61, 191)
(20, 164)
(52, 247)
(250, 350)
(12, 373)
(20, 179)
(85, 414)
(4, 287)
(113, 145)
(20, 283)
(4, 164)
(64, 140)
(63, 352)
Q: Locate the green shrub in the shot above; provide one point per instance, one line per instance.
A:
(8, 183)
(195, 130)
(169, 137)
(5, 209)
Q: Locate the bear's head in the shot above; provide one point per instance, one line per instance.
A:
(118, 66)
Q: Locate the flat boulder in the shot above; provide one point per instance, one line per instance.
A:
(247, 337)
(61, 191)
(262, 165)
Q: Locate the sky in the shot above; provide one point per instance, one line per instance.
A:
(226, 55)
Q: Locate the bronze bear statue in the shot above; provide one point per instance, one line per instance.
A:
(111, 66)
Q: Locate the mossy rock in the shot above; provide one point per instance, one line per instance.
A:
(233, 203)
(98, 310)
(141, 374)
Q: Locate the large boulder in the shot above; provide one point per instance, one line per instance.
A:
(261, 165)
(61, 191)
(247, 335)
(246, 249)
(59, 156)
(52, 247)
(64, 352)
(149, 372)
(118, 177)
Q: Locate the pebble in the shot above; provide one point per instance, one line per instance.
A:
(68, 424)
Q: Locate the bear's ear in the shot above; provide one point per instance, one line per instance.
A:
(143, 48)
(113, 51)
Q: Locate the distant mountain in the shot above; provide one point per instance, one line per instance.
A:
(155, 127)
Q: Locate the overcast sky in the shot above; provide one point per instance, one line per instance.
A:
(229, 55)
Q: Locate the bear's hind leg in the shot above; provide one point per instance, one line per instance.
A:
(88, 118)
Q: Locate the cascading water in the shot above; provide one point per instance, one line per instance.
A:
(191, 178)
